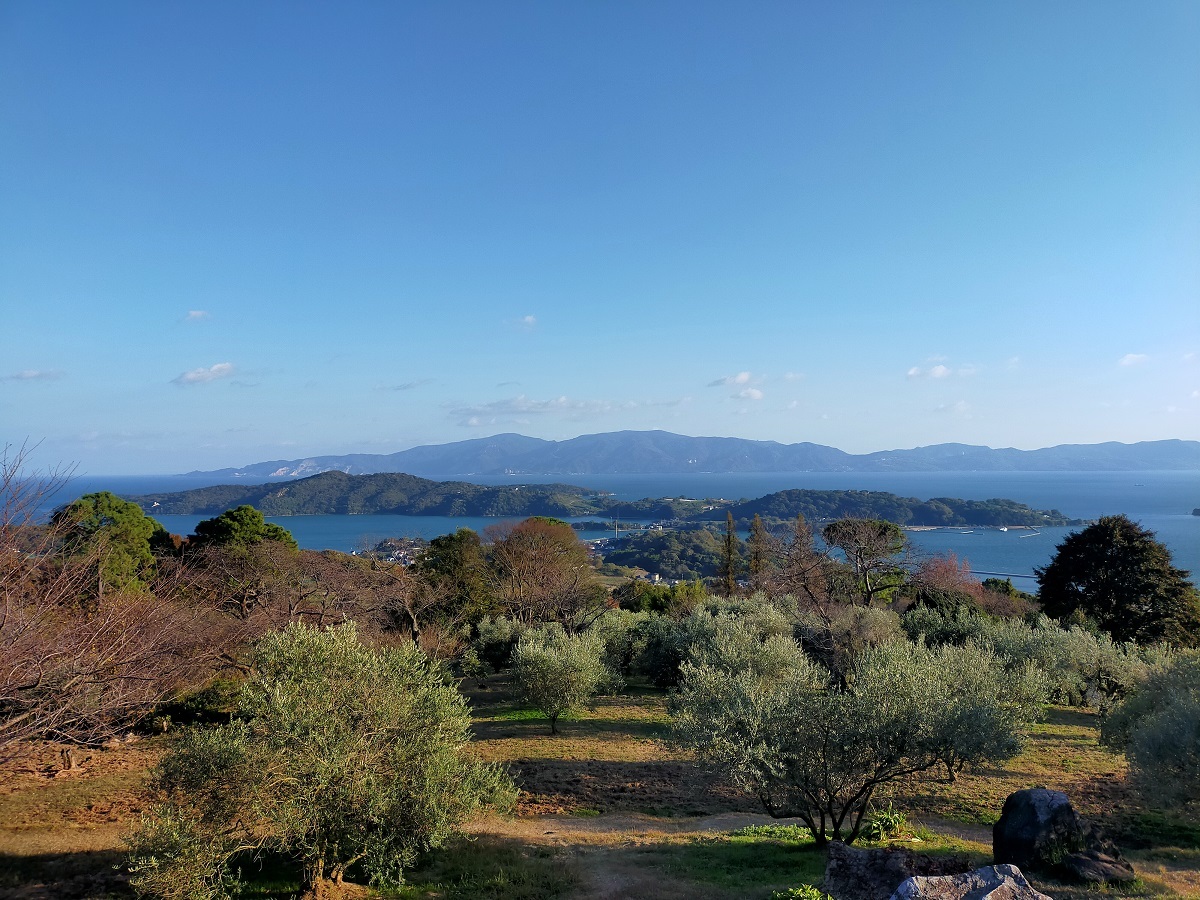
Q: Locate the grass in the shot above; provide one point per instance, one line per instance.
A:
(610, 809)
(737, 866)
(492, 869)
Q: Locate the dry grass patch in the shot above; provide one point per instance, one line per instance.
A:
(1062, 753)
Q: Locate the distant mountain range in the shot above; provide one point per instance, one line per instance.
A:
(664, 453)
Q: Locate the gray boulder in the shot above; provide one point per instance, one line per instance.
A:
(1040, 831)
(989, 883)
(853, 874)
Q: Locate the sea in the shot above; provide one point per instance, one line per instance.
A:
(1160, 501)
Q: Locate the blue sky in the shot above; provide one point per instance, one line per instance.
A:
(232, 232)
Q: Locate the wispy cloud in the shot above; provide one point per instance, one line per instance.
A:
(406, 386)
(1132, 359)
(749, 394)
(34, 375)
(739, 378)
(197, 315)
(522, 409)
(793, 376)
(960, 408)
(203, 375)
(527, 322)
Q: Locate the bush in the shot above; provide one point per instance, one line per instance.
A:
(1080, 667)
(495, 639)
(556, 673)
(617, 630)
(1158, 727)
(342, 755)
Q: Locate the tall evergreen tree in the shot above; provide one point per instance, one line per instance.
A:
(759, 553)
(730, 557)
(1119, 574)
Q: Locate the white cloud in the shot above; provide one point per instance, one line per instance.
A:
(196, 315)
(940, 370)
(528, 321)
(1132, 359)
(203, 375)
(739, 378)
(749, 394)
(34, 375)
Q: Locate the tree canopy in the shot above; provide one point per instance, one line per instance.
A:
(242, 525)
(1118, 574)
(116, 530)
(770, 717)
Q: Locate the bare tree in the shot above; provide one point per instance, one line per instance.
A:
(73, 670)
(542, 573)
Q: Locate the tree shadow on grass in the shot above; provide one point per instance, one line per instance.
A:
(663, 787)
(491, 868)
(530, 724)
(87, 873)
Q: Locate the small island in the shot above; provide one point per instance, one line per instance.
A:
(336, 493)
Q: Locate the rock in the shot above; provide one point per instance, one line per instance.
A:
(1097, 866)
(1040, 831)
(852, 874)
(989, 883)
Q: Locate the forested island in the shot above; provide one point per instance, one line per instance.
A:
(335, 493)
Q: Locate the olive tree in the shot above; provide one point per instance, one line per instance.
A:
(808, 747)
(555, 672)
(1158, 727)
(342, 754)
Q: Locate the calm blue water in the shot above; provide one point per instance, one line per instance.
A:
(1160, 501)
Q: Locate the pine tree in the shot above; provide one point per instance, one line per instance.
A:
(730, 557)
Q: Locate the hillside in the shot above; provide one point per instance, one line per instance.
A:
(661, 452)
(336, 493)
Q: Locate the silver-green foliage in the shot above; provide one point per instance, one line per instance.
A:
(556, 673)
(1080, 667)
(1158, 727)
(495, 639)
(342, 754)
(808, 747)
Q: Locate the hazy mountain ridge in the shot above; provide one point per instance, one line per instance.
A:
(663, 453)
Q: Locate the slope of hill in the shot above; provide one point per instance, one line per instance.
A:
(661, 452)
(336, 493)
